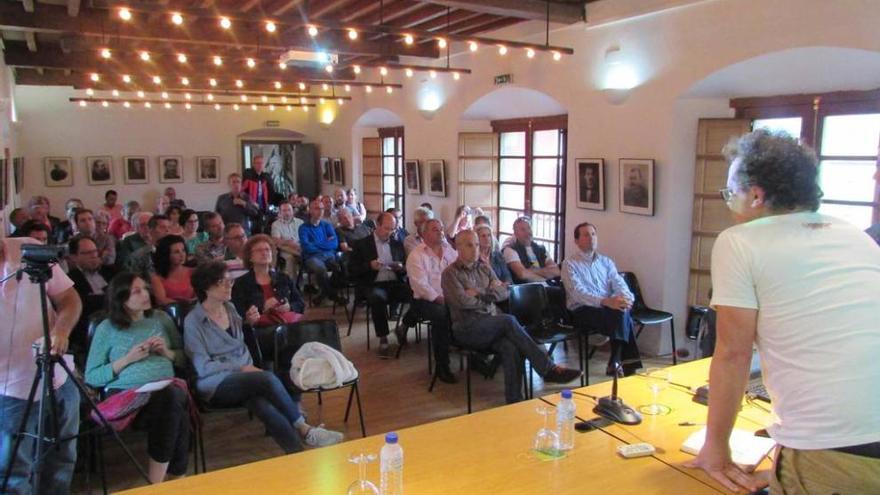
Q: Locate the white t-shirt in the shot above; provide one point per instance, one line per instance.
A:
(815, 281)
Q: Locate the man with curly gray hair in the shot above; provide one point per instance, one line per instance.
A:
(802, 287)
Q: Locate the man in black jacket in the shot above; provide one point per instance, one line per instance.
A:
(377, 264)
(90, 280)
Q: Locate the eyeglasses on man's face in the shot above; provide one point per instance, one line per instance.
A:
(727, 194)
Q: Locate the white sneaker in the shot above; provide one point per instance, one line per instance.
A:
(318, 436)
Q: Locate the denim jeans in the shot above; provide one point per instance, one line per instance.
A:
(265, 395)
(504, 335)
(319, 265)
(57, 468)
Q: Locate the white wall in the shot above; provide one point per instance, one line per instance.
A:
(8, 143)
(670, 51)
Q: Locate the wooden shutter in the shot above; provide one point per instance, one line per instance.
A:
(371, 149)
(478, 171)
(711, 215)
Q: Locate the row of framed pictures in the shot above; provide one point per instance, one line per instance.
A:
(59, 170)
(436, 177)
(635, 185)
(331, 171)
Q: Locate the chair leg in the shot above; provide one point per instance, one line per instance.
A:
(101, 465)
(351, 318)
(430, 349)
(357, 396)
(194, 442)
(672, 335)
(368, 327)
(584, 371)
(202, 450)
(348, 404)
(433, 382)
(468, 380)
(320, 399)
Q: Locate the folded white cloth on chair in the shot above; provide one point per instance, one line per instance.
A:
(316, 365)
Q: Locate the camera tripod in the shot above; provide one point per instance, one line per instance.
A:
(46, 434)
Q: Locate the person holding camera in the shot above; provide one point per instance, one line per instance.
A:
(20, 329)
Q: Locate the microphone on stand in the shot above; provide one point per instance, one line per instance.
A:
(613, 408)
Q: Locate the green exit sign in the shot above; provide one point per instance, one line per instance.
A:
(503, 79)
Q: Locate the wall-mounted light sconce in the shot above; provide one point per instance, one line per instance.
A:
(620, 77)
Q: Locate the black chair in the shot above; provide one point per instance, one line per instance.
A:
(177, 311)
(288, 340)
(643, 315)
(531, 307)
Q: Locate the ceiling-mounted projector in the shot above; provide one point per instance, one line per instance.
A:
(307, 59)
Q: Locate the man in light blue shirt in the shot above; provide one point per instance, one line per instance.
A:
(599, 298)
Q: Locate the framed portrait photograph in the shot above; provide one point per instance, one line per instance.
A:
(338, 176)
(412, 176)
(436, 178)
(99, 170)
(591, 183)
(636, 185)
(170, 169)
(207, 169)
(326, 172)
(58, 171)
(135, 170)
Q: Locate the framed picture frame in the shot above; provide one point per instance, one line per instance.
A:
(326, 171)
(58, 171)
(636, 184)
(99, 170)
(591, 183)
(207, 169)
(18, 173)
(135, 170)
(170, 169)
(436, 178)
(338, 175)
(412, 176)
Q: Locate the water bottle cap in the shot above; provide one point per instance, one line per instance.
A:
(391, 437)
(566, 394)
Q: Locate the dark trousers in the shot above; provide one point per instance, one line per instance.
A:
(379, 296)
(438, 315)
(504, 335)
(618, 325)
(320, 266)
(265, 395)
(166, 420)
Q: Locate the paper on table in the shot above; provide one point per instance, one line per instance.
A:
(746, 449)
(153, 386)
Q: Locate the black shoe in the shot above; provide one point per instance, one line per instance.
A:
(493, 365)
(340, 300)
(445, 376)
(482, 365)
(400, 334)
(558, 374)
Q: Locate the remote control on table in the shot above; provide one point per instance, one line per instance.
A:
(636, 450)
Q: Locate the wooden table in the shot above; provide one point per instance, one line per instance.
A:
(664, 432)
(486, 452)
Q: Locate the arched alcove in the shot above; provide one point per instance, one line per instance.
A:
(511, 103)
(366, 177)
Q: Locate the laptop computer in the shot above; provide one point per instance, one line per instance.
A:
(755, 387)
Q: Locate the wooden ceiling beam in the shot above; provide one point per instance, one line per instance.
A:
(73, 7)
(356, 9)
(31, 40)
(391, 10)
(492, 26)
(533, 10)
(28, 5)
(285, 6)
(439, 23)
(327, 8)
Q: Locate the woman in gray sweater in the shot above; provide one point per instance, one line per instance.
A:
(227, 377)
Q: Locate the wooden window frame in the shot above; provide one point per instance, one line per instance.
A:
(395, 133)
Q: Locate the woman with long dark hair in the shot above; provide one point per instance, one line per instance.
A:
(171, 282)
(134, 346)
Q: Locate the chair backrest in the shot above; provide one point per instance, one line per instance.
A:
(177, 311)
(289, 338)
(528, 303)
(633, 283)
(94, 320)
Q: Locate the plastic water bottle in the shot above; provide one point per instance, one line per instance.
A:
(391, 466)
(565, 412)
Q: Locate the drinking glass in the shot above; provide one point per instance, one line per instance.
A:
(658, 380)
(547, 440)
(362, 486)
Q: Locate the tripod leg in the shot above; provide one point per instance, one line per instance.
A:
(21, 432)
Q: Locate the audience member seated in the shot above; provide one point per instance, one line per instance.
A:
(162, 204)
(67, 228)
(174, 213)
(470, 290)
(17, 217)
(400, 234)
(141, 261)
(353, 202)
(340, 202)
(226, 375)
(528, 261)
(170, 281)
(300, 207)
(413, 240)
(319, 243)
(35, 230)
(135, 241)
(490, 254)
(90, 279)
(102, 223)
(189, 220)
(38, 208)
(285, 231)
(87, 226)
(348, 232)
(273, 293)
(327, 203)
(424, 267)
(236, 206)
(482, 219)
(377, 265)
(110, 206)
(173, 200)
(462, 221)
(599, 298)
(137, 345)
(235, 238)
(214, 248)
(123, 225)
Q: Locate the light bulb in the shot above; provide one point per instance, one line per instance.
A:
(105, 104)
(369, 89)
(181, 57)
(383, 71)
(140, 94)
(433, 74)
(530, 53)
(270, 26)
(321, 100)
(502, 50)
(441, 42)
(557, 56)
(389, 89)
(184, 81)
(408, 39)
(145, 56)
(352, 34)
(187, 106)
(188, 96)
(167, 105)
(157, 80)
(251, 63)
(409, 72)
(90, 92)
(306, 109)
(177, 19)
(210, 97)
(115, 93)
(282, 65)
(243, 97)
(83, 103)
(473, 45)
(277, 85)
(347, 88)
(125, 14)
(325, 87)
(340, 101)
(356, 69)
(289, 108)
(126, 104)
(212, 82)
(456, 76)
(238, 83)
(302, 86)
(216, 106)
(218, 61)
(126, 78)
(302, 100)
(254, 108)
(105, 52)
(313, 31)
(225, 23)
(283, 99)
(264, 99)
(148, 104)
(271, 108)
(165, 95)
(235, 107)
(329, 68)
